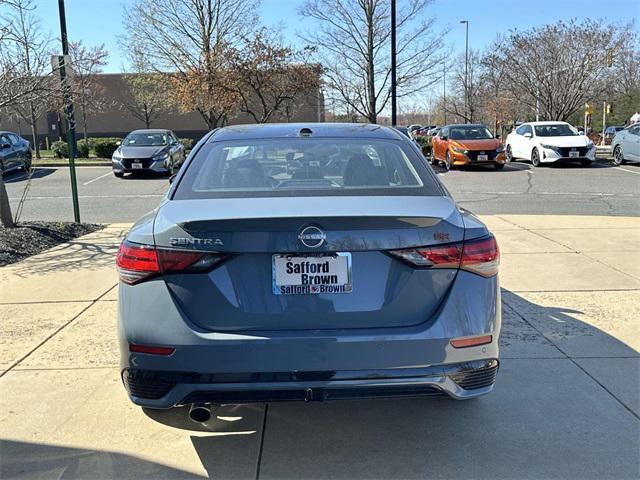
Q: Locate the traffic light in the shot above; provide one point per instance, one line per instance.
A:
(588, 109)
(608, 109)
(609, 57)
(588, 62)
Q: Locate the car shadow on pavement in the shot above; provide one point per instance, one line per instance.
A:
(145, 176)
(26, 460)
(556, 398)
(509, 168)
(20, 176)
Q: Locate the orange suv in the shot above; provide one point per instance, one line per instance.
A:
(467, 144)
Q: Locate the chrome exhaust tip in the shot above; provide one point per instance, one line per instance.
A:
(200, 412)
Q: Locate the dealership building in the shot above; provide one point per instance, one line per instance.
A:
(117, 120)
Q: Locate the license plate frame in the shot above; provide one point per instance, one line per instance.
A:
(136, 165)
(343, 258)
(483, 157)
(574, 153)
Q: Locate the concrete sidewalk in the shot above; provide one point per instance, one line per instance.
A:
(566, 403)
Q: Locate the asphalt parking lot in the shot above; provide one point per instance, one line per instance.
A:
(517, 189)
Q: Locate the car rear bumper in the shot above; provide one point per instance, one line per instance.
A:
(157, 389)
(236, 367)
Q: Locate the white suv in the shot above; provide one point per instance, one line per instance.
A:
(549, 142)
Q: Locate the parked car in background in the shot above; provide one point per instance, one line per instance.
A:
(610, 132)
(433, 131)
(404, 131)
(252, 284)
(413, 128)
(15, 153)
(626, 145)
(467, 144)
(549, 142)
(152, 150)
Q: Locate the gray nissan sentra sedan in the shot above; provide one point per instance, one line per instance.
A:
(306, 262)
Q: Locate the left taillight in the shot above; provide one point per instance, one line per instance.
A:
(137, 262)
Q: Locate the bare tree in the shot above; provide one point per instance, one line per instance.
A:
(558, 67)
(184, 37)
(270, 77)
(352, 37)
(26, 55)
(469, 85)
(88, 94)
(148, 91)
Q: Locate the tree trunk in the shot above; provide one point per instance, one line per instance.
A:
(84, 125)
(5, 209)
(34, 129)
(147, 120)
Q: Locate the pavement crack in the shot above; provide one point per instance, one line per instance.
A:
(58, 330)
(262, 434)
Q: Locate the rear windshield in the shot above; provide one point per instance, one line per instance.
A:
(306, 167)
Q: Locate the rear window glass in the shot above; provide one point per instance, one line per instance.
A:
(305, 167)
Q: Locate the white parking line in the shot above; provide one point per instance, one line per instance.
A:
(97, 178)
(625, 170)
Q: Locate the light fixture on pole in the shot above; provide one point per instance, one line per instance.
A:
(466, 71)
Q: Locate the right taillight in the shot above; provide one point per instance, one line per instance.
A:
(137, 262)
(479, 256)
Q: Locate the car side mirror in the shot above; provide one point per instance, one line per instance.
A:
(172, 178)
(444, 138)
(527, 135)
(4, 145)
(498, 137)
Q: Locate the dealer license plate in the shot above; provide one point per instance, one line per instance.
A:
(573, 154)
(136, 166)
(483, 158)
(311, 274)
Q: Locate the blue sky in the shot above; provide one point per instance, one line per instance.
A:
(100, 21)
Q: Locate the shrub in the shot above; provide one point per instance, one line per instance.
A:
(104, 147)
(187, 143)
(83, 149)
(59, 149)
(424, 140)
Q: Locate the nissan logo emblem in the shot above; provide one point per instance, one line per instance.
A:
(312, 237)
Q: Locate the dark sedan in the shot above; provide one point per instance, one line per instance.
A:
(157, 151)
(15, 153)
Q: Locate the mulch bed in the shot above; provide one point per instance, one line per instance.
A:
(31, 238)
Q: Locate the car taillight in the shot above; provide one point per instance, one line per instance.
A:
(479, 256)
(137, 262)
(441, 256)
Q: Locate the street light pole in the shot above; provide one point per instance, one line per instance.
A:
(444, 90)
(68, 106)
(466, 70)
(394, 117)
